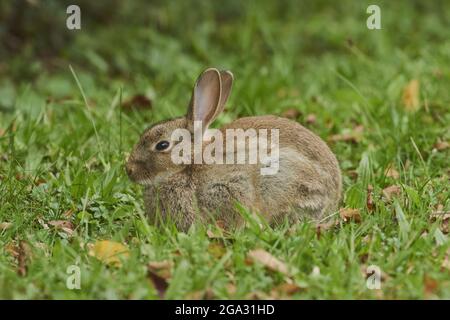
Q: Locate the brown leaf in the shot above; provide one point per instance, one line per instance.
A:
(441, 145)
(109, 252)
(430, 285)
(369, 200)
(68, 213)
(231, 289)
(392, 191)
(322, 227)
(311, 118)
(410, 98)
(24, 255)
(284, 291)
(159, 283)
(5, 225)
(269, 261)
(291, 113)
(354, 136)
(63, 225)
(349, 214)
(444, 217)
(391, 173)
(446, 262)
(137, 102)
(161, 268)
(12, 249)
(159, 272)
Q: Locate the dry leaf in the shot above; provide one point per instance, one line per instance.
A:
(68, 213)
(355, 135)
(137, 102)
(321, 227)
(5, 225)
(159, 283)
(446, 262)
(349, 214)
(430, 285)
(369, 200)
(284, 291)
(24, 255)
(392, 191)
(109, 252)
(161, 268)
(63, 225)
(444, 217)
(441, 145)
(12, 249)
(391, 173)
(410, 98)
(231, 289)
(269, 261)
(311, 118)
(291, 113)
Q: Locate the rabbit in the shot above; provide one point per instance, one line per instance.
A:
(307, 184)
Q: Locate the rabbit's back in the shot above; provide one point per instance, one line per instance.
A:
(308, 181)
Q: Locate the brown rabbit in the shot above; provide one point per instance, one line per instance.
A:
(306, 184)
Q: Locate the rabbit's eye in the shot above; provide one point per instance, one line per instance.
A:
(162, 145)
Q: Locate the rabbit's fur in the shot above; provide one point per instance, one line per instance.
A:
(307, 184)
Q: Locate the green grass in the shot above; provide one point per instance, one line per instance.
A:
(64, 138)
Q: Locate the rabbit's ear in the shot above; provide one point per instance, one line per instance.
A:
(206, 98)
(226, 78)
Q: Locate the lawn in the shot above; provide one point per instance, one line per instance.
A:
(73, 103)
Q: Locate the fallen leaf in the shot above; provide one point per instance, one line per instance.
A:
(161, 268)
(349, 214)
(392, 191)
(159, 283)
(441, 145)
(5, 225)
(109, 252)
(284, 291)
(369, 200)
(231, 289)
(24, 255)
(291, 113)
(321, 227)
(63, 225)
(12, 249)
(444, 217)
(446, 262)
(311, 118)
(137, 102)
(430, 285)
(410, 97)
(354, 136)
(269, 261)
(391, 173)
(68, 213)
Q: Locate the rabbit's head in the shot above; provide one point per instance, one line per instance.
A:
(150, 161)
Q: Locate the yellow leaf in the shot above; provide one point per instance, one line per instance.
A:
(109, 252)
(411, 100)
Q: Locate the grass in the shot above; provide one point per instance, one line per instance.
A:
(64, 138)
